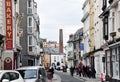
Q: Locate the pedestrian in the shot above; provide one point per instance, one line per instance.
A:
(71, 70)
(50, 73)
(76, 70)
(93, 72)
(80, 71)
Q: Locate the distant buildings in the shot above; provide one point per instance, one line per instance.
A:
(74, 48)
(51, 54)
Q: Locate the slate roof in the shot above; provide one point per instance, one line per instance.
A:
(51, 50)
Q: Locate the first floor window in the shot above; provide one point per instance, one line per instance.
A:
(30, 41)
(30, 48)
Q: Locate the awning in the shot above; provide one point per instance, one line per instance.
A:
(86, 55)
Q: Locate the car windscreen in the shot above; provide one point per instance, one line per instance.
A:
(28, 73)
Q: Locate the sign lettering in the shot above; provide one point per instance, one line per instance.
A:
(9, 33)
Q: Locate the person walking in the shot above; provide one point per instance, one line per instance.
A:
(80, 71)
(93, 72)
(50, 74)
(71, 70)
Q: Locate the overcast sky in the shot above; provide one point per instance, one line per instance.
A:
(59, 14)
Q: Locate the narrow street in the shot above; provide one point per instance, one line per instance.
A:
(65, 77)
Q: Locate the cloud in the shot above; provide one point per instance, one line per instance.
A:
(59, 14)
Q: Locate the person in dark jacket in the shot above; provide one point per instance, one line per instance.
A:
(50, 73)
(93, 72)
(72, 70)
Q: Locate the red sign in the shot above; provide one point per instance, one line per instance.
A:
(9, 33)
(8, 63)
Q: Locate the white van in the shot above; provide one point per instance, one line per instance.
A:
(33, 73)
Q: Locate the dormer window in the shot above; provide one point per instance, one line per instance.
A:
(104, 5)
(105, 28)
(29, 3)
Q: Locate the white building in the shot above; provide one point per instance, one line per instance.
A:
(113, 48)
(2, 29)
(12, 46)
(98, 35)
(70, 51)
(58, 60)
(86, 24)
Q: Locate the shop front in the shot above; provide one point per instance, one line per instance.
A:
(113, 62)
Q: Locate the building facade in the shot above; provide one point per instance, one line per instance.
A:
(2, 30)
(12, 47)
(93, 36)
(99, 54)
(85, 20)
(111, 18)
(70, 51)
(77, 43)
(30, 37)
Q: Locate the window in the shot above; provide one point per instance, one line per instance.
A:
(108, 62)
(30, 40)
(29, 10)
(30, 49)
(28, 73)
(113, 55)
(115, 62)
(13, 76)
(113, 21)
(30, 24)
(10, 76)
(29, 7)
(6, 76)
(29, 3)
(30, 21)
(119, 18)
(61, 60)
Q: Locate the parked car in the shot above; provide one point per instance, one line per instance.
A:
(33, 73)
(10, 76)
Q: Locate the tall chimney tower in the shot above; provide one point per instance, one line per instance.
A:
(60, 41)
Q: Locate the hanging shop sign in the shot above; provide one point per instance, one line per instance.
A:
(9, 33)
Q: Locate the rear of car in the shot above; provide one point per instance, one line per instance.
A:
(33, 73)
(10, 76)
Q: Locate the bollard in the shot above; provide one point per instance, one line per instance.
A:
(102, 77)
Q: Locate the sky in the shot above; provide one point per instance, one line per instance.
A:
(59, 14)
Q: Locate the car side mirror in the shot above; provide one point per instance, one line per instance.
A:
(5, 80)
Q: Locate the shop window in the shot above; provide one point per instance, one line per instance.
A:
(115, 62)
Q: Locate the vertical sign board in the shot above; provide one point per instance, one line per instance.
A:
(9, 33)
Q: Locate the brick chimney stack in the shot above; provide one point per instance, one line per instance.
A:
(60, 41)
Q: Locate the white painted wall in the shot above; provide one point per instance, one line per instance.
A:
(98, 33)
(70, 53)
(58, 58)
(2, 18)
(86, 28)
(86, 25)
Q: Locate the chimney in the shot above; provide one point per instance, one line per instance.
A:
(60, 41)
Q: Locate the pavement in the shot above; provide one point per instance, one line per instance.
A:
(57, 78)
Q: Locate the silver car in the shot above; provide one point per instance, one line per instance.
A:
(33, 73)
